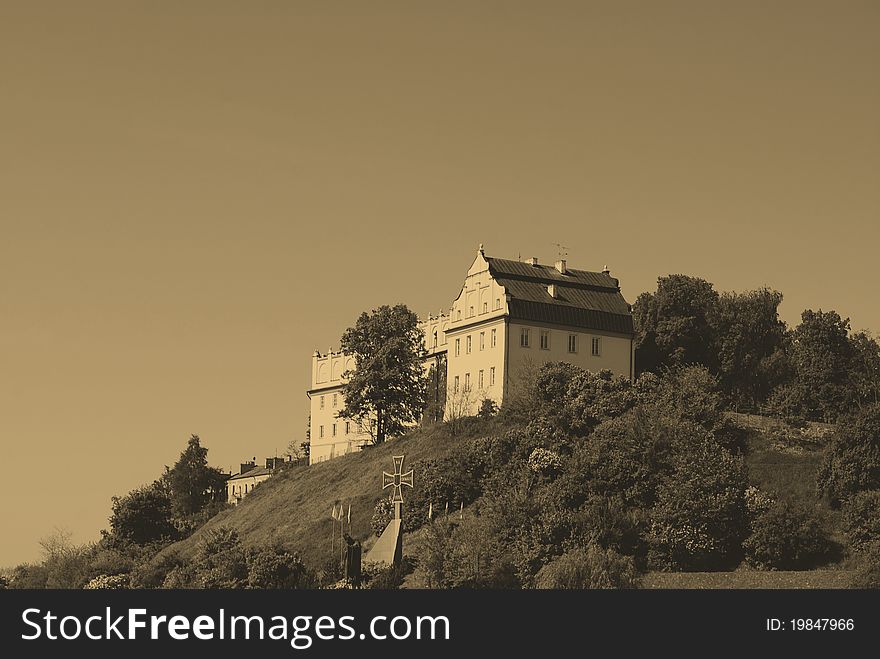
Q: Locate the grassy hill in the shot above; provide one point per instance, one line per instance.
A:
(293, 507)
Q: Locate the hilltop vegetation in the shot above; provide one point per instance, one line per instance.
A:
(580, 480)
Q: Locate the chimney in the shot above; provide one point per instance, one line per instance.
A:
(532, 261)
(560, 265)
(551, 288)
(246, 467)
(606, 271)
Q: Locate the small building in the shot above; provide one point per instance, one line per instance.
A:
(249, 476)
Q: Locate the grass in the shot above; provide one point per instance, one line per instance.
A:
(748, 579)
(293, 507)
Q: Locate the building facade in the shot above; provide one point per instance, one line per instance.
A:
(248, 477)
(508, 319)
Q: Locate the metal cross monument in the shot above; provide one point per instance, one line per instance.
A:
(397, 480)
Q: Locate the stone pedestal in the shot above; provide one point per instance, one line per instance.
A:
(389, 547)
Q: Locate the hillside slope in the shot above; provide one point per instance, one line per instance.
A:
(293, 507)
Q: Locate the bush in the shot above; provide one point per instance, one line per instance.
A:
(851, 462)
(699, 519)
(464, 554)
(867, 572)
(861, 518)
(386, 577)
(787, 538)
(108, 582)
(383, 512)
(592, 567)
(220, 560)
(275, 567)
(153, 573)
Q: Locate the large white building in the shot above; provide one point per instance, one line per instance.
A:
(509, 317)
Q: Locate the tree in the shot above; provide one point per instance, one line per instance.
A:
(747, 334)
(193, 483)
(672, 325)
(387, 385)
(142, 516)
(865, 372)
(851, 462)
(822, 356)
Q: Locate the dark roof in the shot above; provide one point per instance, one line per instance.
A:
(256, 471)
(591, 300)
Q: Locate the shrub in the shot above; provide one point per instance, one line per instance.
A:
(699, 519)
(592, 567)
(108, 582)
(464, 554)
(382, 514)
(851, 462)
(220, 560)
(861, 518)
(488, 409)
(153, 573)
(757, 502)
(867, 572)
(275, 567)
(545, 462)
(386, 577)
(608, 523)
(787, 538)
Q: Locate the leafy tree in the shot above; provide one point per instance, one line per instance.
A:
(142, 516)
(193, 483)
(673, 324)
(865, 371)
(822, 357)
(748, 334)
(388, 385)
(851, 461)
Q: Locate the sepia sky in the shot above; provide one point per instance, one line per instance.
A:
(196, 195)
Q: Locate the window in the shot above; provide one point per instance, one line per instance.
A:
(457, 347)
(347, 427)
(322, 402)
(435, 338)
(334, 400)
(596, 346)
(459, 314)
(492, 343)
(470, 311)
(333, 431)
(482, 340)
(545, 339)
(497, 302)
(467, 381)
(468, 348)
(480, 379)
(320, 431)
(485, 307)
(524, 337)
(455, 384)
(572, 343)
(492, 376)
